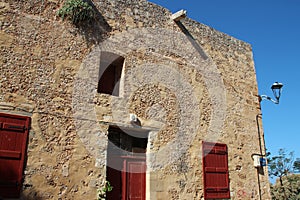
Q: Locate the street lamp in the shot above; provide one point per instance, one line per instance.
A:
(276, 88)
(259, 159)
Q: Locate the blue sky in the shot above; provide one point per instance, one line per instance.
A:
(272, 27)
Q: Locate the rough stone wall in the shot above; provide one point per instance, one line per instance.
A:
(179, 88)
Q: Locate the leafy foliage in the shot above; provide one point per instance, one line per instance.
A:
(297, 165)
(102, 192)
(290, 189)
(77, 11)
(282, 164)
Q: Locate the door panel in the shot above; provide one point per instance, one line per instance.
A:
(134, 179)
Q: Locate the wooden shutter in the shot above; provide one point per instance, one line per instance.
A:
(134, 180)
(13, 145)
(215, 171)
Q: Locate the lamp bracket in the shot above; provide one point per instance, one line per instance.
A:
(265, 97)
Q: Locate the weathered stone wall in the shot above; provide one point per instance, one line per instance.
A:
(186, 82)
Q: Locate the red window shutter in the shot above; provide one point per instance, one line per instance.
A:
(134, 180)
(215, 171)
(13, 145)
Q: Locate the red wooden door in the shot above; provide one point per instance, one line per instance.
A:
(13, 145)
(215, 171)
(134, 179)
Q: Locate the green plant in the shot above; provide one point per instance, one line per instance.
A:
(101, 195)
(77, 11)
(281, 166)
(290, 189)
(297, 166)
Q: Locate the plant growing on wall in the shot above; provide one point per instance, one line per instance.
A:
(101, 195)
(76, 11)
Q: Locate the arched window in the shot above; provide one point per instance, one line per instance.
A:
(110, 73)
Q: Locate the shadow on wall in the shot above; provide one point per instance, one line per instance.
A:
(32, 195)
(94, 30)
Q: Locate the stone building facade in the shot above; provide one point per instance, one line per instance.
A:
(133, 84)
